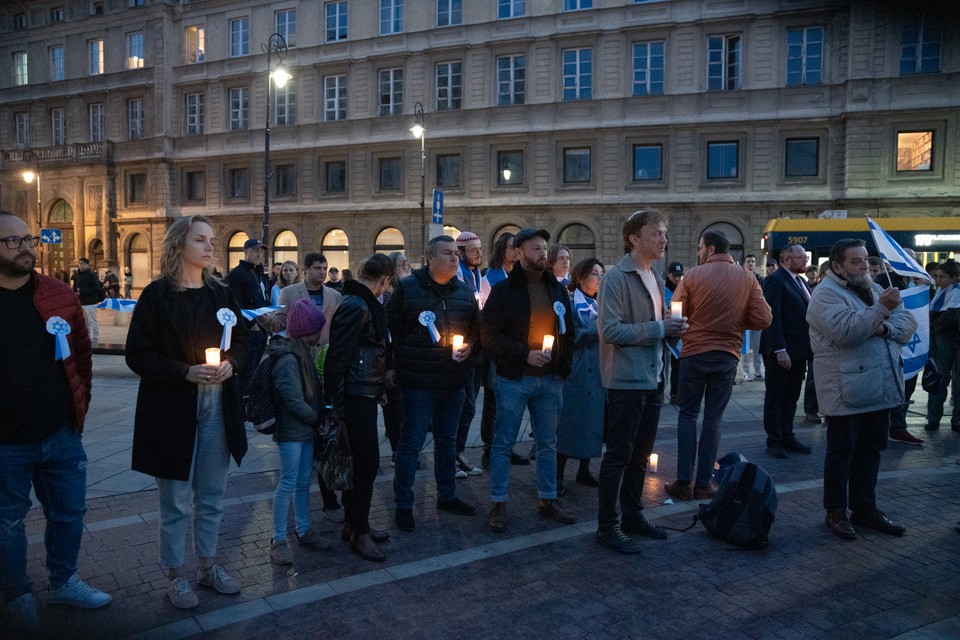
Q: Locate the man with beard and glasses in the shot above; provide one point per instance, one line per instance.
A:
(857, 329)
(46, 355)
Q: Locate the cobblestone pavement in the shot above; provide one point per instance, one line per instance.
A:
(452, 578)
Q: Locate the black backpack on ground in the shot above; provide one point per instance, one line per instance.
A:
(744, 508)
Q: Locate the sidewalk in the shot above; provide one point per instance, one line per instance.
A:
(452, 578)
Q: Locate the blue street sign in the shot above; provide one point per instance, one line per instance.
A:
(437, 206)
(51, 236)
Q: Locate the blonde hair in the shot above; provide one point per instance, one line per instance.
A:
(296, 270)
(171, 254)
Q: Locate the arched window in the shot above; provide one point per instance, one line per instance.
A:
(507, 228)
(234, 251)
(60, 256)
(285, 248)
(390, 239)
(453, 232)
(579, 239)
(336, 249)
(138, 259)
(733, 235)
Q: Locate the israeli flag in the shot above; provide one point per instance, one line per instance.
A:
(250, 314)
(898, 259)
(123, 305)
(916, 300)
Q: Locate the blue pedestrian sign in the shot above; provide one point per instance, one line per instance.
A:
(437, 207)
(51, 236)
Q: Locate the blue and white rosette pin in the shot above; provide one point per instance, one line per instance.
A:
(429, 320)
(229, 320)
(558, 309)
(60, 328)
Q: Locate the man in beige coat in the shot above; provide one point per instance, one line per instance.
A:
(314, 273)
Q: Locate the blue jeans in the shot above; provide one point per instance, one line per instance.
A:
(543, 396)
(706, 377)
(421, 409)
(57, 467)
(296, 463)
(202, 493)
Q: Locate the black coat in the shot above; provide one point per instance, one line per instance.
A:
(419, 362)
(788, 329)
(161, 347)
(506, 322)
(249, 285)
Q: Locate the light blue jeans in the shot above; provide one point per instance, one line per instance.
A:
(202, 493)
(296, 466)
(543, 396)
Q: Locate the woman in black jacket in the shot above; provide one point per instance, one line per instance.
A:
(188, 422)
(353, 379)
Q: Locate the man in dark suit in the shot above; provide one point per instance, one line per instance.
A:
(785, 346)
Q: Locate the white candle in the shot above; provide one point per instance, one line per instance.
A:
(457, 345)
(547, 344)
(652, 464)
(213, 356)
(676, 309)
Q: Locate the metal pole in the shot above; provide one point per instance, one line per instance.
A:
(277, 43)
(418, 114)
(39, 217)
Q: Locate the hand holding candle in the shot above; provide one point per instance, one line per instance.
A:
(676, 309)
(213, 357)
(457, 346)
(547, 344)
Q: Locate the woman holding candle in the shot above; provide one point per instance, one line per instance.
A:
(289, 274)
(580, 430)
(188, 422)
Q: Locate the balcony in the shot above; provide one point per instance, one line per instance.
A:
(76, 153)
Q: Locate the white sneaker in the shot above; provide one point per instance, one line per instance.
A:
(466, 467)
(77, 593)
(23, 615)
(746, 377)
(460, 474)
(181, 594)
(335, 515)
(218, 579)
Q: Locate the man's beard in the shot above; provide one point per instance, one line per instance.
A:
(865, 281)
(16, 268)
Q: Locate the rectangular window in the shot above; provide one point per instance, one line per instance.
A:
(722, 160)
(391, 17)
(511, 79)
(577, 74)
(448, 86)
(135, 118)
(96, 122)
(391, 92)
(448, 170)
(58, 126)
(286, 103)
(135, 50)
(335, 177)
(239, 109)
(195, 186)
(390, 174)
(335, 98)
(240, 37)
(135, 3)
(723, 63)
(804, 56)
(95, 56)
(577, 5)
(238, 180)
(287, 26)
(56, 14)
(915, 151)
(194, 42)
(285, 180)
(23, 128)
(96, 8)
(647, 162)
(648, 69)
(576, 165)
(20, 77)
(802, 157)
(336, 15)
(511, 9)
(509, 168)
(920, 46)
(194, 112)
(449, 13)
(20, 21)
(56, 63)
(136, 188)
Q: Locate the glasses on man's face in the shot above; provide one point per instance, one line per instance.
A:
(14, 242)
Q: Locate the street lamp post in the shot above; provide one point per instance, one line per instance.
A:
(28, 177)
(276, 43)
(419, 131)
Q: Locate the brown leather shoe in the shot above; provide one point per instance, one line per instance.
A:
(705, 493)
(877, 521)
(551, 509)
(679, 491)
(364, 546)
(497, 520)
(837, 523)
(378, 536)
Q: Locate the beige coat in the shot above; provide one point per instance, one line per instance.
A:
(277, 321)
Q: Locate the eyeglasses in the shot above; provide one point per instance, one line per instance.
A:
(14, 242)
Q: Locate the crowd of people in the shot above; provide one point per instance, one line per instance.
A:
(589, 351)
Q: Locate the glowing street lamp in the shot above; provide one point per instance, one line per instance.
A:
(419, 131)
(28, 177)
(279, 77)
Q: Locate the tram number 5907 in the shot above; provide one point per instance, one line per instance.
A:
(797, 239)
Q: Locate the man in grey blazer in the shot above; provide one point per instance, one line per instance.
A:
(314, 273)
